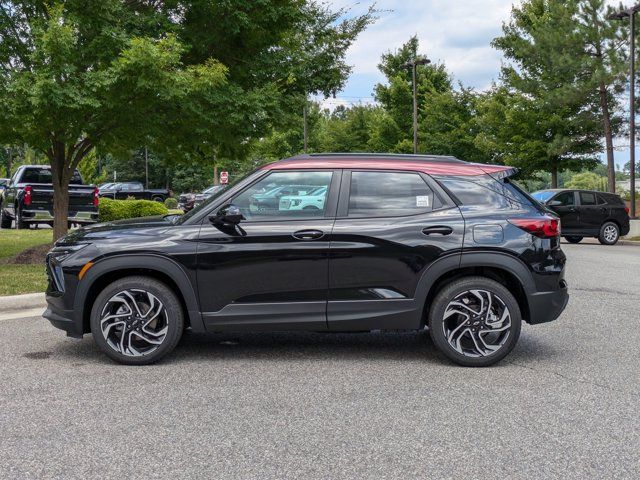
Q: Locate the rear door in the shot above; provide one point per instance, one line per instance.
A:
(391, 227)
(593, 211)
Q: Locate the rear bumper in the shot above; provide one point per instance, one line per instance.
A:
(547, 306)
(47, 216)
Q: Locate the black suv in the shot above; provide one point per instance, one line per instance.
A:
(586, 213)
(384, 242)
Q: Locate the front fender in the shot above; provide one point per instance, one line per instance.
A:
(151, 262)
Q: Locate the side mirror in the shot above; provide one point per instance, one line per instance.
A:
(554, 203)
(227, 216)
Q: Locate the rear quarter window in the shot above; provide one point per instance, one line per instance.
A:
(484, 190)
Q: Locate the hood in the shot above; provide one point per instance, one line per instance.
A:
(146, 226)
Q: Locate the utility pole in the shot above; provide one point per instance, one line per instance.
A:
(305, 127)
(146, 168)
(413, 65)
(631, 14)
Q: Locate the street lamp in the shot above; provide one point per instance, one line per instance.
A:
(620, 15)
(413, 65)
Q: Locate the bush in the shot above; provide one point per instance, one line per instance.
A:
(171, 203)
(110, 210)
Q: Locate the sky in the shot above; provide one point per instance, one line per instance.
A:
(455, 32)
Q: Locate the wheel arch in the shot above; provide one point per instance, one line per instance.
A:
(161, 268)
(501, 267)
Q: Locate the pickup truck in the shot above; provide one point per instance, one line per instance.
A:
(124, 190)
(28, 199)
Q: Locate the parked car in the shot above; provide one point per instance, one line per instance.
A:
(312, 200)
(269, 199)
(587, 213)
(28, 199)
(187, 201)
(402, 242)
(3, 183)
(124, 190)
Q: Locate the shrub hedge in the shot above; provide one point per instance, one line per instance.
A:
(171, 203)
(110, 210)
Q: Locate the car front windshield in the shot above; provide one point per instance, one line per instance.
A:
(542, 195)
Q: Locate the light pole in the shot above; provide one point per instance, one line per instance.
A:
(631, 14)
(413, 65)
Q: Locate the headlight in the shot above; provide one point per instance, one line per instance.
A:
(60, 252)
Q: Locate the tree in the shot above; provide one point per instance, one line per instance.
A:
(587, 181)
(551, 104)
(117, 75)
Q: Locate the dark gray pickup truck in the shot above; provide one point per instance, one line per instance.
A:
(28, 199)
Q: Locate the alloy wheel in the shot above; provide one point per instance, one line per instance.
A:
(610, 233)
(134, 322)
(477, 323)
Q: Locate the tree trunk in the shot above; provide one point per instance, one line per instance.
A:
(554, 177)
(608, 137)
(215, 174)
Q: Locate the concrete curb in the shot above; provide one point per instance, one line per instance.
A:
(22, 302)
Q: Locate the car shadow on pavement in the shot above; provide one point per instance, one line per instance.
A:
(285, 347)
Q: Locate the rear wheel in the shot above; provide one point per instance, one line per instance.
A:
(157, 199)
(609, 234)
(475, 321)
(574, 239)
(137, 320)
(20, 223)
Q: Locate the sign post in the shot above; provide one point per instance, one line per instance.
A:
(224, 177)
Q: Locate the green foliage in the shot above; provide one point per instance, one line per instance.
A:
(111, 210)
(171, 203)
(587, 181)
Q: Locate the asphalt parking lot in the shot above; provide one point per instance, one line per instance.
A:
(564, 404)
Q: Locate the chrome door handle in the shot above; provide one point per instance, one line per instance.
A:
(307, 235)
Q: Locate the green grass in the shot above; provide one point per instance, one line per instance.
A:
(17, 279)
(13, 242)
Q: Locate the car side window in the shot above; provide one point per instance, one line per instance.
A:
(566, 199)
(588, 199)
(286, 195)
(387, 194)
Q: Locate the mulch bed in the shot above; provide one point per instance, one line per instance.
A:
(30, 256)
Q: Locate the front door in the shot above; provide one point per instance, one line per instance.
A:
(271, 272)
(391, 227)
(565, 205)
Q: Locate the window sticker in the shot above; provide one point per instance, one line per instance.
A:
(422, 201)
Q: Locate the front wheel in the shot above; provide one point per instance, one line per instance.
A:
(137, 320)
(5, 221)
(475, 321)
(609, 234)
(573, 239)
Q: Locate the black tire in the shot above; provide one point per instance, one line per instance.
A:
(20, 223)
(5, 221)
(440, 328)
(573, 239)
(157, 199)
(310, 207)
(609, 234)
(172, 317)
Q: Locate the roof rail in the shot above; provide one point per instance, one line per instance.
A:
(399, 156)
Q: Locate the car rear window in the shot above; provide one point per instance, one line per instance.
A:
(43, 175)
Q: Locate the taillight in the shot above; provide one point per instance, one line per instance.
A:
(96, 196)
(545, 227)
(627, 209)
(28, 191)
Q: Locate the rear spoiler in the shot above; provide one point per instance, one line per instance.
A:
(499, 172)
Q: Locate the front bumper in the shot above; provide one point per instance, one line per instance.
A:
(47, 216)
(62, 318)
(547, 306)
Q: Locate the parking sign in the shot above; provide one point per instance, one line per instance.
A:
(224, 177)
